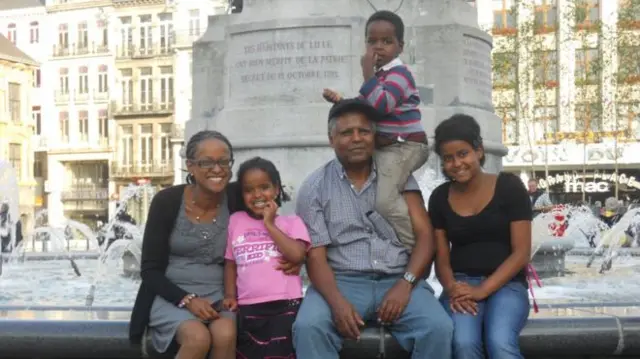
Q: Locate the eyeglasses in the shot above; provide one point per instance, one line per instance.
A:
(208, 164)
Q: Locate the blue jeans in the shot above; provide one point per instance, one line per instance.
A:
(423, 328)
(500, 319)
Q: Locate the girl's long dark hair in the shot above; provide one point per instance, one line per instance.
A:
(236, 201)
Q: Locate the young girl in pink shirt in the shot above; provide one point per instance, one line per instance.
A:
(267, 300)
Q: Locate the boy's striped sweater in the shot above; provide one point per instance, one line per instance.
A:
(393, 92)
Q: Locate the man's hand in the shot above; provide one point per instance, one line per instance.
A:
(394, 302)
(331, 96)
(346, 319)
(288, 268)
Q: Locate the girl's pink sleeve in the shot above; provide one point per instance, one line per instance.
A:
(228, 254)
(298, 230)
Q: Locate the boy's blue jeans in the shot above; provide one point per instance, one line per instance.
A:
(495, 330)
(423, 329)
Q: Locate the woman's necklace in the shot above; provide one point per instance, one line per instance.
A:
(202, 212)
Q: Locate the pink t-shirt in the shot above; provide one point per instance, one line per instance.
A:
(256, 256)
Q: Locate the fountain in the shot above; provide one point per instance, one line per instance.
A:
(271, 62)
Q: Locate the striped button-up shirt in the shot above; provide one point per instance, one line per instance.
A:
(344, 219)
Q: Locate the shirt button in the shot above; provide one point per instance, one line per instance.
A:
(369, 230)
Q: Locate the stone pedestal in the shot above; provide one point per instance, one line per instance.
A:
(258, 76)
(549, 257)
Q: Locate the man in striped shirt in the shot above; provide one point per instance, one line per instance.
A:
(401, 140)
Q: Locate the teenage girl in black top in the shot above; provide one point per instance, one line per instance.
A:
(483, 234)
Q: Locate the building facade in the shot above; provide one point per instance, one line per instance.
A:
(78, 76)
(566, 79)
(16, 123)
(111, 96)
(22, 22)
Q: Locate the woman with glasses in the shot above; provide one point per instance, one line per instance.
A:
(180, 297)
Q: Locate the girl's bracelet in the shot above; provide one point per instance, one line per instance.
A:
(186, 300)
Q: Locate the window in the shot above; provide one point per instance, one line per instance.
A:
(83, 80)
(546, 16)
(103, 83)
(588, 117)
(166, 87)
(126, 36)
(34, 32)
(83, 125)
(12, 33)
(628, 115)
(588, 66)
(194, 22)
(146, 88)
(14, 102)
(509, 124)
(37, 119)
(38, 167)
(64, 127)
(126, 82)
(146, 35)
(36, 78)
(546, 68)
(103, 36)
(166, 153)
(587, 13)
(166, 33)
(83, 37)
(146, 146)
(504, 20)
(505, 68)
(103, 126)
(629, 13)
(63, 37)
(629, 64)
(15, 153)
(546, 123)
(126, 145)
(64, 81)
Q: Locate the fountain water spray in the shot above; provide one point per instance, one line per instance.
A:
(119, 247)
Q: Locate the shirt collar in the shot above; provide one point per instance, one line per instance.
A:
(343, 174)
(395, 62)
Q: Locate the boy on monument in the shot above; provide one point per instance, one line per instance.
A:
(401, 141)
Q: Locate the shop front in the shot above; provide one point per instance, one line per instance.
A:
(591, 186)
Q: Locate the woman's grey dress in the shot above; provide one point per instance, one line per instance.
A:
(196, 264)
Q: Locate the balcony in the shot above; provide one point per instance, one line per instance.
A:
(81, 97)
(62, 97)
(79, 50)
(127, 52)
(141, 170)
(85, 194)
(156, 108)
(100, 96)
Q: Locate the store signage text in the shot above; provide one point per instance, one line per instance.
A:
(590, 182)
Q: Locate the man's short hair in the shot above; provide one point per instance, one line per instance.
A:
(352, 105)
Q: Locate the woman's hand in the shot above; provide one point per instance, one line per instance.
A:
(230, 304)
(202, 309)
(461, 291)
(465, 306)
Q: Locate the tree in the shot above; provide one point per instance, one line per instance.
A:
(578, 96)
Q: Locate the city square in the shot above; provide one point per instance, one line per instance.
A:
(98, 101)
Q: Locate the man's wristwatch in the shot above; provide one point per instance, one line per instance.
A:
(409, 277)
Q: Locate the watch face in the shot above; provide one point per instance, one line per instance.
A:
(409, 277)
